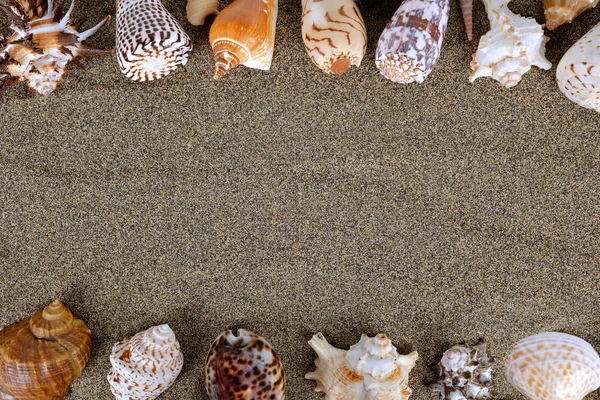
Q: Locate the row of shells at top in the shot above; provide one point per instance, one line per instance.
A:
(151, 43)
(41, 355)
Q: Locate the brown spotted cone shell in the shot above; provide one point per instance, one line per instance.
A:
(41, 355)
(243, 367)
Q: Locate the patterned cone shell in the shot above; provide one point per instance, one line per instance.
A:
(410, 45)
(145, 365)
(150, 42)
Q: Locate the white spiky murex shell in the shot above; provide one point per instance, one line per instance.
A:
(578, 72)
(150, 42)
(198, 10)
(554, 366)
(513, 44)
(411, 43)
(334, 34)
(145, 365)
(44, 41)
(560, 12)
(464, 373)
(371, 370)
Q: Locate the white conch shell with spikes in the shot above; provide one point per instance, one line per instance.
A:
(150, 41)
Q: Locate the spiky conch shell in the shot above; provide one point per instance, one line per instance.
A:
(553, 365)
(244, 33)
(243, 367)
(334, 34)
(145, 365)
(560, 12)
(150, 42)
(411, 43)
(44, 41)
(513, 44)
(372, 370)
(578, 72)
(464, 373)
(41, 355)
(198, 10)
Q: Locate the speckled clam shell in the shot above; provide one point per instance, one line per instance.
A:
(578, 72)
(150, 42)
(198, 10)
(243, 367)
(554, 366)
(145, 365)
(410, 45)
(244, 33)
(560, 12)
(334, 34)
(371, 369)
(512, 46)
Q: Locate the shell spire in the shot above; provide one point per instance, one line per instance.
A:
(41, 355)
(466, 7)
(198, 10)
(244, 33)
(150, 42)
(411, 43)
(334, 34)
(44, 42)
(560, 12)
(578, 72)
(371, 369)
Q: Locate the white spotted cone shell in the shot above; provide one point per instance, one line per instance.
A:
(578, 72)
(512, 46)
(554, 366)
(410, 45)
(145, 365)
(334, 34)
(150, 42)
(371, 370)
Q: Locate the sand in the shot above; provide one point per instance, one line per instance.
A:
(290, 202)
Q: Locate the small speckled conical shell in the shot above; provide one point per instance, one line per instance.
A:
(244, 33)
(411, 43)
(198, 10)
(578, 73)
(554, 366)
(150, 42)
(371, 369)
(560, 12)
(334, 34)
(244, 367)
(145, 365)
(41, 355)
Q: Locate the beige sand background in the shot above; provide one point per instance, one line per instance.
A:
(291, 202)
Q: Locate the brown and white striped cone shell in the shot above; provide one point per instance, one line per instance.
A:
(578, 73)
(243, 367)
(41, 355)
(560, 12)
(150, 42)
(410, 45)
(334, 34)
(145, 365)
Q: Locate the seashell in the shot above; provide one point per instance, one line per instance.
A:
(466, 6)
(41, 355)
(464, 373)
(552, 366)
(510, 48)
(150, 42)
(243, 367)
(334, 34)
(371, 369)
(410, 45)
(44, 41)
(244, 33)
(145, 365)
(560, 12)
(198, 10)
(578, 72)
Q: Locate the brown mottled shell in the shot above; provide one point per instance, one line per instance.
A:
(244, 367)
(560, 12)
(41, 355)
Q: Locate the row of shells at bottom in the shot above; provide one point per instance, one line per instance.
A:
(41, 355)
